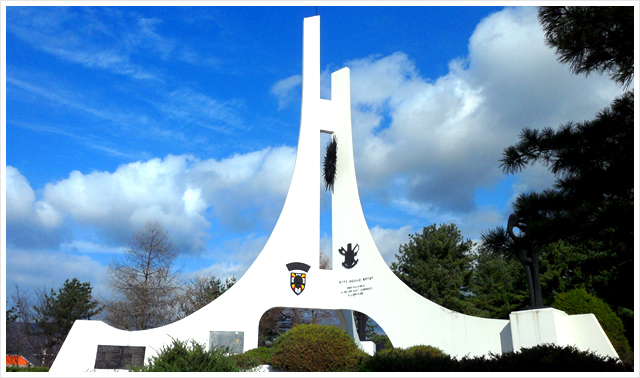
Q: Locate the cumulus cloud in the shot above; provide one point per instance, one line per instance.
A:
(30, 222)
(27, 269)
(235, 256)
(242, 192)
(422, 146)
(432, 142)
(388, 241)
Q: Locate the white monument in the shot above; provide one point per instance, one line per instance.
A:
(287, 273)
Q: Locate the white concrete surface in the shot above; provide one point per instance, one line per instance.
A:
(369, 286)
(369, 347)
(552, 326)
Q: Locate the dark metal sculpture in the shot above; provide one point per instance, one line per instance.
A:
(361, 326)
(529, 257)
(349, 255)
(330, 163)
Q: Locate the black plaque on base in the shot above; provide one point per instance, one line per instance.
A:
(119, 357)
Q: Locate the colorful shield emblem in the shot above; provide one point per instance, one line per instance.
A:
(298, 276)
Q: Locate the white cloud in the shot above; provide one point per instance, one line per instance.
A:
(93, 44)
(188, 106)
(20, 196)
(193, 204)
(521, 78)
(421, 144)
(534, 178)
(27, 270)
(242, 192)
(388, 241)
(90, 247)
(432, 142)
(29, 221)
(235, 256)
(283, 90)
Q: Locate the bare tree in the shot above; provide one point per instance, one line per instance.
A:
(32, 340)
(200, 290)
(325, 261)
(144, 284)
(20, 336)
(40, 326)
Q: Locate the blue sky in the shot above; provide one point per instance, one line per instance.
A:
(189, 116)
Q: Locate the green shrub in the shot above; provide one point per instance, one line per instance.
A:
(426, 351)
(313, 347)
(32, 369)
(180, 357)
(253, 358)
(579, 301)
(541, 358)
(416, 358)
(382, 342)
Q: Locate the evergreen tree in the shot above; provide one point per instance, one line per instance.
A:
(437, 264)
(57, 311)
(498, 285)
(591, 205)
(586, 219)
(11, 315)
(369, 326)
(592, 38)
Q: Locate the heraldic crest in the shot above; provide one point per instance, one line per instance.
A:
(298, 276)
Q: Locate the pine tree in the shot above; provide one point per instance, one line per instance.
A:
(497, 285)
(437, 264)
(589, 210)
(591, 203)
(57, 311)
(592, 38)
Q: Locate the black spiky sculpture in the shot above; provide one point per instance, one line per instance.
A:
(330, 164)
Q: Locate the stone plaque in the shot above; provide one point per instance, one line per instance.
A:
(234, 340)
(119, 357)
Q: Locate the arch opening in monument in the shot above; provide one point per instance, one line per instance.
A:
(278, 320)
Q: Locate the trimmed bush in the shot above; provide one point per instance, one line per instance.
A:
(416, 358)
(579, 301)
(181, 357)
(253, 358)
(32, 369)
(541, 358)
(319, 348)
(425, 351)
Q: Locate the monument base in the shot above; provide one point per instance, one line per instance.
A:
(548, 325)
(369, 347)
